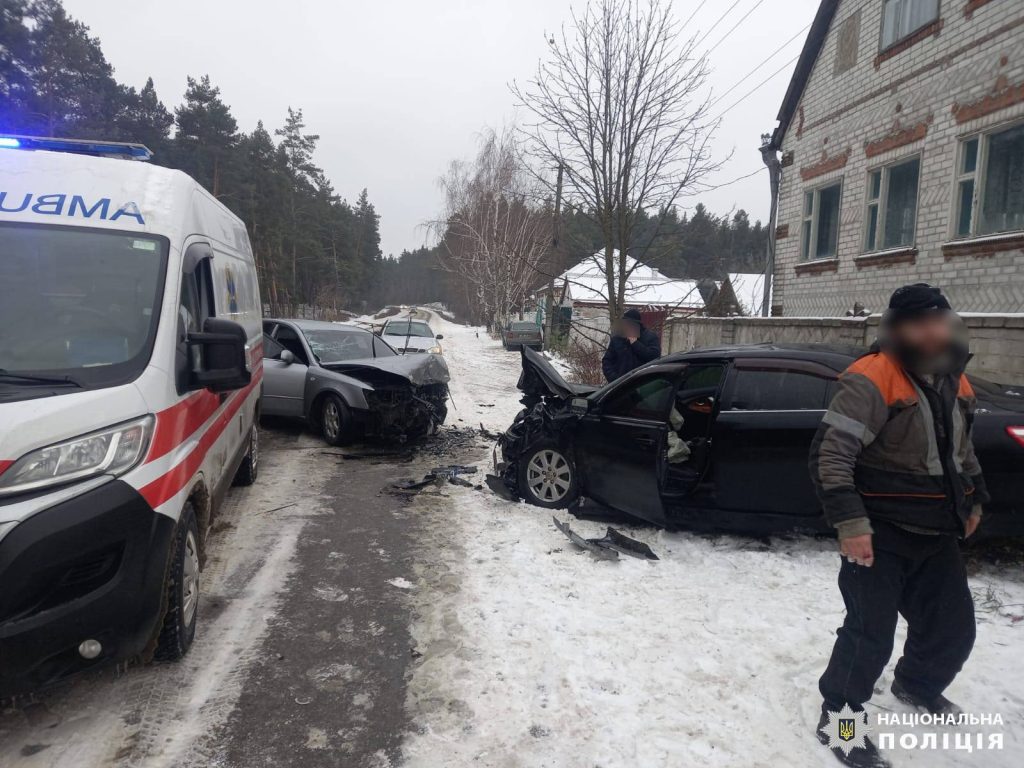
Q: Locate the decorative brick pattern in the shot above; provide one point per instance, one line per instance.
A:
(898, 137)
(825, 165)
(928, 30)
(818, 267)
(887, 258)
(1003, 95)
(972, 6)
(984, 247)
(859, 108)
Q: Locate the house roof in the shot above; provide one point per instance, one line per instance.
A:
(808, 56)
(645, 286)
(748, 287)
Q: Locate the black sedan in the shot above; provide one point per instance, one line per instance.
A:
(717, 439)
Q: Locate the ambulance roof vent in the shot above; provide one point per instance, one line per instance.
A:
(121, 150)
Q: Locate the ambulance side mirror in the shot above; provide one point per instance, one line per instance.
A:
(224, 366)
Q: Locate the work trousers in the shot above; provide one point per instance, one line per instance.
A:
(922, 578)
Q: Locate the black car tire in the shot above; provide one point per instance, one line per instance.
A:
(249, 469)
(560, 488)
(179, 624)
(335, 420)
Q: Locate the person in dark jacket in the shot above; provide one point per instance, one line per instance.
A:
(895, 470)
(631, 346)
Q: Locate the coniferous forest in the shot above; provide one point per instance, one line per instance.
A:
(312, 247)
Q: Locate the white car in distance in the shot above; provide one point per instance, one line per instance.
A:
(409, 336)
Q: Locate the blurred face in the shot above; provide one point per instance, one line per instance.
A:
(930, 336)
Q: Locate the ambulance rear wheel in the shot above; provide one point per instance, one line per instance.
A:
(179, 628)
(249, 469)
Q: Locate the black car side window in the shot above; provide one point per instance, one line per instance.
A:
(777, 390)
(646, 397)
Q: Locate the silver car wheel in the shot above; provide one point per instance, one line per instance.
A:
(332, 420)
(190, 579)
(549, 475)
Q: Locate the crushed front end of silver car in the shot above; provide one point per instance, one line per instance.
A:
(406, 396)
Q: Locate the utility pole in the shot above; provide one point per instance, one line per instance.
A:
(556, 230)
(770, 157)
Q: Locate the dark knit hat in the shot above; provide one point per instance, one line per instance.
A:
(912, 301)
(632, 315)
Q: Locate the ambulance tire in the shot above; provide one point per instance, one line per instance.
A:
(335, 420)
(179, 627)
(249, 469)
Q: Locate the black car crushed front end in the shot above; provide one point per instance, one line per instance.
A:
(552, 409)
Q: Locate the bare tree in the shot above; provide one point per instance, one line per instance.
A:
(618, 105)
(491, 230)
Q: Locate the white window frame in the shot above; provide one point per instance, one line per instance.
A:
(882, 203)
(809, 221)
(978, 177)
(883, 46)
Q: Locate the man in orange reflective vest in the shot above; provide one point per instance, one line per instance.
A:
(896, 474)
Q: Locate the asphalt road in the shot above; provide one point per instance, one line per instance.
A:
(303, 648)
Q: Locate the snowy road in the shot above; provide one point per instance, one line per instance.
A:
(346, 627)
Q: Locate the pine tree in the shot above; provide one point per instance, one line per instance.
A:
(207, 133)
(145, 120)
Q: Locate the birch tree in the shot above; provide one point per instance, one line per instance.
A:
(492, 232)
(619, 103)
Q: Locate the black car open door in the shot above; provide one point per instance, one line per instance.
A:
(620, 444)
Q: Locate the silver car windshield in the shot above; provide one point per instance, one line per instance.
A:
(337, 346)
(78, 303)
(406, 328)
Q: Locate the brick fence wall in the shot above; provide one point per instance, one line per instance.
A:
(997, 341)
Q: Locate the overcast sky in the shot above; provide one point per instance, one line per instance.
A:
(398, 88)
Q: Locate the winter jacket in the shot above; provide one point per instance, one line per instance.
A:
(623, 356)
(895, 447)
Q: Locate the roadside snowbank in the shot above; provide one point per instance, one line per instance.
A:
(535, 654)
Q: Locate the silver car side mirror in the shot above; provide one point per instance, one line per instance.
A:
(287, 357)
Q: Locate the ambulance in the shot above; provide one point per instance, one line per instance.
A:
(130, 370)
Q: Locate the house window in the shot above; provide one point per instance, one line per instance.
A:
(819, 234)
(892, 205)
(990, 183)
(901, 18)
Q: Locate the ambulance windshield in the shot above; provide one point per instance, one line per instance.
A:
(77, 303)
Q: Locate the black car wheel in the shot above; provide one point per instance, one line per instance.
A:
(335, 420)
(179, 627)
(249, 469)
(547, 476)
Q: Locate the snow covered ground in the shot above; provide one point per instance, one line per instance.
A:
(536, 654)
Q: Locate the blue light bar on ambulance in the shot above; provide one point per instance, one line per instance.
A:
(78, 147)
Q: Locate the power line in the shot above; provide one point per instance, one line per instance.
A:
(756, 69)
(738, 178)
(692, 15)
(744, 18)
(720, 20)
(756, 87)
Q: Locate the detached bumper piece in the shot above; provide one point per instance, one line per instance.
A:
(608, 546)
(91, 568)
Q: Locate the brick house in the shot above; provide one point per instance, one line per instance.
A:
(902, 151)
